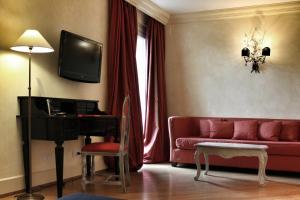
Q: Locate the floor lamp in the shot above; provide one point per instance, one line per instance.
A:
(30, 42)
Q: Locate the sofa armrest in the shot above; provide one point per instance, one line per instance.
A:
(182, 127)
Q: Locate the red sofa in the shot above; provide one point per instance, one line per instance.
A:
(280, 135)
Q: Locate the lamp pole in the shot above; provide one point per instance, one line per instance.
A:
(29, 195)
(31, 41)
(29, 121)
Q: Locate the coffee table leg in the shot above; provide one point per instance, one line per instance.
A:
(197, 160)
(206, 163)
(263, 157)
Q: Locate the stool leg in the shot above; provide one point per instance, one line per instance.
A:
(93, 167)
(83, 173)
(121, 168)
(127, 169)
(83, 161)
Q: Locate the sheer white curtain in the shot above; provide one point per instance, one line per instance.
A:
(141, 60)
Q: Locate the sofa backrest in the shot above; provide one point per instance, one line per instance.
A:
(183, 126)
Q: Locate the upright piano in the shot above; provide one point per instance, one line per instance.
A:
(58, 120)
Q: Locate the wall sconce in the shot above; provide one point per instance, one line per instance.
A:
(256, 55)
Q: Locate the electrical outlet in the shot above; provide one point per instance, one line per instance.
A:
(75, 152)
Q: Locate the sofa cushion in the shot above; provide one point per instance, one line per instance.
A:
(204, 128)
(275, 147)
(289, 131)
(245, 130)
(269, 131)
(221, 129)
(188, 143)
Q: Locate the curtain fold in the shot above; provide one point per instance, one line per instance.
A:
(156, 138)
(122, 73)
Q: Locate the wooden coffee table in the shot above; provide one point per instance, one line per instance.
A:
(229, 150)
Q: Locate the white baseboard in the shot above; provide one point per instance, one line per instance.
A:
(16, 183)
(11, 184)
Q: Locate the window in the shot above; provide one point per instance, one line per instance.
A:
(141, 60)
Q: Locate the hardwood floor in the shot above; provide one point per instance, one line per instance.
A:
(161, 181)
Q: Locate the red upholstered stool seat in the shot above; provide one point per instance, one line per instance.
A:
(102, 146)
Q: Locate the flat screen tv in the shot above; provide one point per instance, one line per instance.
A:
(79, 58)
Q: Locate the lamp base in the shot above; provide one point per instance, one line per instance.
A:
(28, 196)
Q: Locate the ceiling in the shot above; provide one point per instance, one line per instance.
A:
(185, 6)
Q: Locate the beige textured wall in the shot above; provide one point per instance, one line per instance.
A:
(206, 76)
(87, 18)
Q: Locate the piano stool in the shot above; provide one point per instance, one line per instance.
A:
(119, 150)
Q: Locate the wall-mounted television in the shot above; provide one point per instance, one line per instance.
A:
(79, 58)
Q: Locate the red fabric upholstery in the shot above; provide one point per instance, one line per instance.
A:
(282, 155)
(289, 131)
(275, 162)
(182, 127)
(269, 131)
(245, 130)
(101, 147)
(221, 129)
(204, 128)
(275, 147)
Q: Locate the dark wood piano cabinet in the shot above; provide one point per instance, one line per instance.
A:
(60, 119)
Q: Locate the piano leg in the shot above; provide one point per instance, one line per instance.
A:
(59, 160)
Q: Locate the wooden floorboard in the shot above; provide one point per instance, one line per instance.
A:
(161, 181)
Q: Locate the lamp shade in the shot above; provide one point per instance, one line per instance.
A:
(245, 52)
(31, 41)
(266, 51)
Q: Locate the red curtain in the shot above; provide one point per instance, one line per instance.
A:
(122, 73)
(156, 138)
